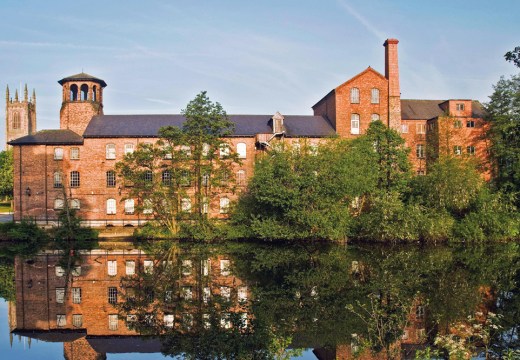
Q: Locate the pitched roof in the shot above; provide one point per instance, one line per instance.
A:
(245, 125)
(49, 137)
(83, 77)
(429, 109)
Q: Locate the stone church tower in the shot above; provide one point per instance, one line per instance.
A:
(82, 99)
(20, 115)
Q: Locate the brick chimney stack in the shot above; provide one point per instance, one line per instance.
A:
(394, 91)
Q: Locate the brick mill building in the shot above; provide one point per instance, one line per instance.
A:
(81, 156)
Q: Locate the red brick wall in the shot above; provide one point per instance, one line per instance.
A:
(75, 115)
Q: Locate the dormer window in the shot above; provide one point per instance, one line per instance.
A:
(459, 106)
(277, 123)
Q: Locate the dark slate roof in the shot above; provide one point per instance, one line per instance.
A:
(124, 344)
(429, 109)
(59, 335)
(49, 137)
(83, 77)
(245, 125)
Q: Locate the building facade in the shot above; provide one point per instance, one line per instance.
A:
(77, 162)
(20, 115)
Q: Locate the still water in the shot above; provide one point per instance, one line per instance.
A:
(261, 301)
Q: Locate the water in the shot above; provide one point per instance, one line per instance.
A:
(260, 301)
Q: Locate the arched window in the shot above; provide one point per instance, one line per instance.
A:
(129, 206)
(129, 148)
(75, 204)
(224, 205)
(241, 150)
(224, 150)
(241, 177)
(58, 180)
(73, 92)
(111, 207)
(111, 178)
(16, 124)
(374, 99)
(147, 207)
(110, 151)
(354, 124)
(58, 153)
(58, 204)
(186, 204)
(375, 117)
(205, 149)
(84, 92)
(94, 93)
(166, 177)
(186, 150)
(354, 96)
(74, 179)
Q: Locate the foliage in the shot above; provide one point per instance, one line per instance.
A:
(513, 56)
(7, 284)
(178, 178)
(6, 173)
(504, 116)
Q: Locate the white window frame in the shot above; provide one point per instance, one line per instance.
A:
(205, 267)
(457, 150)
(224, 205)
(60, 295)
(225, 267)
(75, 204)
(112, 267)
(404, 128)
(206, 294)
(224, 150)
(112, 322)
(76, 270)
(110, 151)
(74, 153)
(76, 295)
(374, 96)
(59, 204)
(242, 150)
(129, 148)
(60, 271)
(130, 267)
(186, 204)
(111, 207)
(241, 177)
(77, 320)
(148, 266)
(420, 151)
(420, 128)
(61, 320)
(58, 153)
(187, 293)
(242, 293)
(354, 95)
(225, 292)
(129, 206)
(375, 117)
(354, 124)
(168, 320)
(186, 267)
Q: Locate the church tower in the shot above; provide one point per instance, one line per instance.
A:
(82, 99)
(20, 115)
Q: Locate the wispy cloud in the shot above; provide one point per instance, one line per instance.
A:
(42, 44)
(160, 101)
(364, 21)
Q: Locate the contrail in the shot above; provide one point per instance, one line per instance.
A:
(362, 20)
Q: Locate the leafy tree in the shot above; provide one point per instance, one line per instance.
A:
(6, 173)
(504, 116)
(192, 162)
(514, 56)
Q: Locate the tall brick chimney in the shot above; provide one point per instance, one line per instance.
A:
(394, 91)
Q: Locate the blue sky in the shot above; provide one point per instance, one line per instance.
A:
(254, 57)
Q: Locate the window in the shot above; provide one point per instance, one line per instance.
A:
(241, 150)
(166, 177)
(168, 320)
(205, 179)
(112, 322)
(129, 206)
(242, 293)
(419, 312)
(111, 178)
(374, 99)
(110, 151)
(94, 93)
(77, 320)
(186, 204)
(457, 150)
(296, 147)
(58, 153)
(186, 267)
(129, 148)
(75, 204)
(420, 128)
(147, 207)
(130, 267)
(205, 266)
(224, 268)
(73, 92)
(225, 321)
(112, 267)
(74, 153)
(74, 179)
(76, 295)
(186, 150)
(375, 117)
(354, 96)
(419, 151)
(187, 293)
(470, 150)
(148, 266)
(60, 295)
(61, 320)
(16, 121)
(224, 150)
(457, 124)
(205, 149)
(225, 292)
(205, 205)
(241, 177)
(111, 207)
(354, 124)
(112, 295)
(224, 205)
(148, 176)
(58, 204)
(470, 123)
(459, 106)
(187, 320)
(84, 92)
(313, 148)
(206, 294)
(76, 271)
(59, 271)
(404, 128)
(421, 172)
(58, 181)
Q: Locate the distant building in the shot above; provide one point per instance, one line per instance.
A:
(20, 115)
(81, 155)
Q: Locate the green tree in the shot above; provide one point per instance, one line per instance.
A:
(189, 163)
(6, 173)
(504, 116)
(514, 56)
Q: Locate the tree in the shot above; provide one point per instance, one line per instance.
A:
(514, 56)
(189, 163)
(504, 116)
(6, 173)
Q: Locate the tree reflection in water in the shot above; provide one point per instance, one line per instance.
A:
(266, 301)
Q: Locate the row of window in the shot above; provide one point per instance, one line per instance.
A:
(421, 128)
(355, 121)
(420, 150)
(148, 267)
(354, 96)
(83, 93)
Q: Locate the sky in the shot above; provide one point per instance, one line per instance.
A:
(254, 57)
